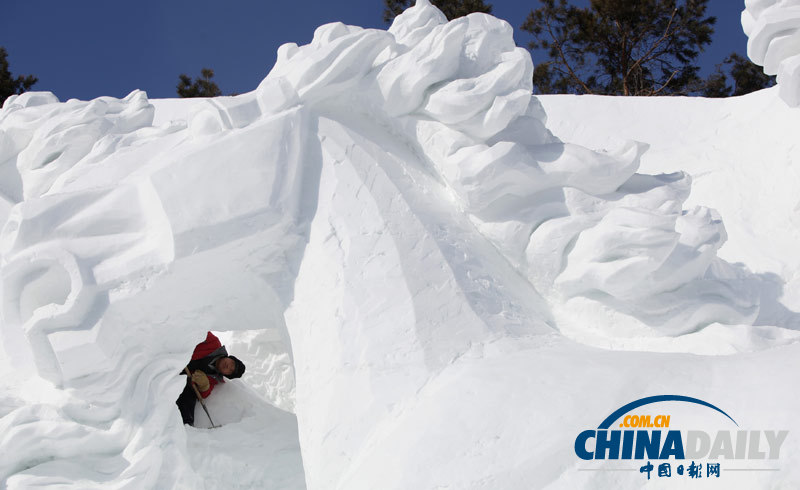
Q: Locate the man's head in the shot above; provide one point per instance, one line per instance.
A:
(230, 367)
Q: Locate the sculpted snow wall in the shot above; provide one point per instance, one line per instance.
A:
(130, 241)
(773, 29)
(370, 172)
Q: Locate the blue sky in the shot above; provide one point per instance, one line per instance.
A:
(89, 48)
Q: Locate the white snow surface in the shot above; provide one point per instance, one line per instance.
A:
(773, 31)
(435, 280)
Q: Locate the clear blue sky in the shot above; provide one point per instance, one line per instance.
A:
(88, 48)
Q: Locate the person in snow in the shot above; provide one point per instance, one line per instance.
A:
(210, 362)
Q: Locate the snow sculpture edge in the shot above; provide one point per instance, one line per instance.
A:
(773, 29)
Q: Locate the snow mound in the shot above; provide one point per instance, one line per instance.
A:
(773, 29)
(383, 229)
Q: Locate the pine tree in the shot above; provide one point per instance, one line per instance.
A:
(203, 86)
(620, 47)
(450, 8)
(717, 84)
(8, 84)
(747, 77)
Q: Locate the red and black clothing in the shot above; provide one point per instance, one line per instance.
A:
(204, 358)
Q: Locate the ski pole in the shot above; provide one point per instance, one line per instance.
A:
(199, 397)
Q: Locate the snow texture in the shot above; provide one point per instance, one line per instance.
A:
(773, 29)
(435, 279)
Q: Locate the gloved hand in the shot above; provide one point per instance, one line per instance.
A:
(201, 380)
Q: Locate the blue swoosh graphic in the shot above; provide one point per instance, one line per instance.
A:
(655, 399)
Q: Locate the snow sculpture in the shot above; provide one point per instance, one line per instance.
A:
(773, 29)
(461, 90)
(369, 172)
(107, 244)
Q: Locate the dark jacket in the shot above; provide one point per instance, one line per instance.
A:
(204, 358)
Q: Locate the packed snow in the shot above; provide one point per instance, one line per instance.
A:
(773, 31)
(435, 279)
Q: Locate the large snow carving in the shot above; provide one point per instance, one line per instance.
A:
(106, 245)
(461, 91)
(370, 172)
(773, 29)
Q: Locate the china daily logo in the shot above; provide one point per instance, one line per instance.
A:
(665, 448)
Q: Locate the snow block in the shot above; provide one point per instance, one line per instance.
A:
(773, 29)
